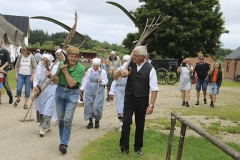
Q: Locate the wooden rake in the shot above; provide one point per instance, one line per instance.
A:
(149, 28)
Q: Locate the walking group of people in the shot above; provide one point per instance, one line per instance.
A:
(205, 76)
(131, 80)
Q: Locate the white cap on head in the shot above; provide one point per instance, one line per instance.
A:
(38, 50)
(113, 52)
(126, 57)
(96, 61)
(51, 58)
(59, 51)
(48, 56)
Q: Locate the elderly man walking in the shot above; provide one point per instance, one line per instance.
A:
(66, 96)
(142, 78)
(114, 61)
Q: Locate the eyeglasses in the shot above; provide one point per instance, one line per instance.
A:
(136, 55)
(201, 58)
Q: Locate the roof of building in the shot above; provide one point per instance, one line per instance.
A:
(9, 33)
(20, 22)
(234, 55)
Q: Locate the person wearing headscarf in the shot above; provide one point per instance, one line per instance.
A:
(118, 87)
(69, 80)
(60, 54)
(93, 86)
(45, 102)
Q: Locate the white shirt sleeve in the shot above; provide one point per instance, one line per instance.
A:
(86, 80)
(104, 78)
(113, 88)
(36, 77)
(153, 82)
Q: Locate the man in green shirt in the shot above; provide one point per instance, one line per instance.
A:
(4, 62)
(67, 93)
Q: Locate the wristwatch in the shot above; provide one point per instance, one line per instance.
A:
(151, 105)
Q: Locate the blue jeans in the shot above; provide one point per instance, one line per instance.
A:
(24, 79)
(201, 83)
(66, 102)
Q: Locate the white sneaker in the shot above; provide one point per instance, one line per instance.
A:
(108, 104)
(41, 133)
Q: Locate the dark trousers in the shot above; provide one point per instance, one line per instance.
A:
(108, 98)
(137, 105)
(6, 86)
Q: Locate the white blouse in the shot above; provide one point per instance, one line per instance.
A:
(25, 63)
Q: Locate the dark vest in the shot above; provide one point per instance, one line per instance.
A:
(138, 82)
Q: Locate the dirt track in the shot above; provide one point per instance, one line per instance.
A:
(22, 141)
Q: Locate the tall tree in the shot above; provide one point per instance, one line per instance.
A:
(38, 36)
(191, 26)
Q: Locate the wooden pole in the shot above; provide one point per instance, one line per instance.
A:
(225, 148)
(173, 122)
(181, 141)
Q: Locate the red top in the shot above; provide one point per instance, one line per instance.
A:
(214, 78)
(2, 75)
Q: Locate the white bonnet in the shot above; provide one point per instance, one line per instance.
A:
(60, 51)
(96, 61)
(48, 56)
(126, 57)
(51, 58)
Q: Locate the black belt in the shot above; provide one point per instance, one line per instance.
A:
(68, 86)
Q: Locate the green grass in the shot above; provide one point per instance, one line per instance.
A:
(155, 148)
(230, 83)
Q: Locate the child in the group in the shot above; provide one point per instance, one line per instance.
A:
(110, 77)
(215, 80)
(2, 75)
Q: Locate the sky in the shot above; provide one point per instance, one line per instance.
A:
(103, 21)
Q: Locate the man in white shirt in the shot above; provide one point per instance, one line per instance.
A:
(142, 78)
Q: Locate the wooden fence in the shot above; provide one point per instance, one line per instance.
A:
(225, 148)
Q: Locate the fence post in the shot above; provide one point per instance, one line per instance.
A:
(173, 122)
(181, 141)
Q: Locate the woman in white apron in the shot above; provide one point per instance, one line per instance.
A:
(93, 86)
(45, 102)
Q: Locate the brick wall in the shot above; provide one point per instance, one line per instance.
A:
(229, 68)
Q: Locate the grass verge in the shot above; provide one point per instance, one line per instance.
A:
(155, 148)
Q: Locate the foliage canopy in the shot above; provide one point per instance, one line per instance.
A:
(191, 26)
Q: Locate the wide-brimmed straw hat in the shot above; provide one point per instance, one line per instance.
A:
(73, 50)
